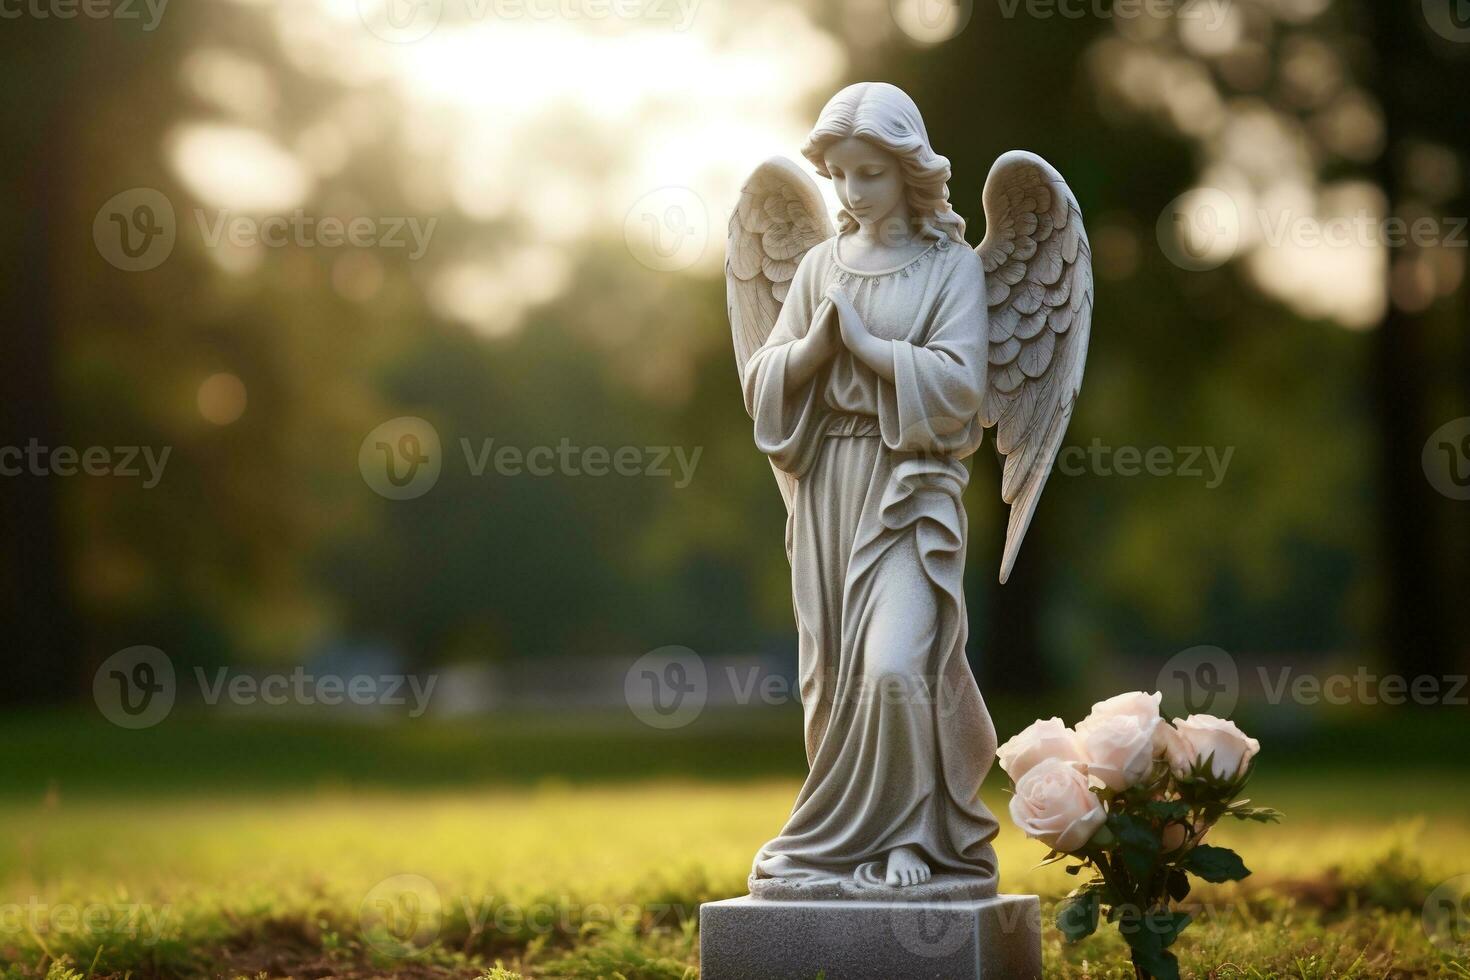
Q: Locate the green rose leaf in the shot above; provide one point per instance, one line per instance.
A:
(1133, 832)
(1260, 814)
(1077, 915)
(1177, 884)
(1215, 864)
(1161, 964)
(1140, 845)
(1169, 925)
(1167, 810)
(1145, 935)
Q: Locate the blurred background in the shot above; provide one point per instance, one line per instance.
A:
(529, 207)
(387, 338)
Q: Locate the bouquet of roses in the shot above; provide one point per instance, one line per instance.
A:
(1132, 797)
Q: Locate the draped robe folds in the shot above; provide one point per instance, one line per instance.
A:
(898, 739)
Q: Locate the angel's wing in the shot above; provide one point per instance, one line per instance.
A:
(1038, 274)
(780, 216)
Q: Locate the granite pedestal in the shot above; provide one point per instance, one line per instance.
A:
(963, 939)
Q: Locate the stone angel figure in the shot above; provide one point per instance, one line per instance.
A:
(873, 356)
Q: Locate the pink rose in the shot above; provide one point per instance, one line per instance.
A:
(1170, 746)
(1120, 747)
(1054, 805)
(1049, 739)
(1229, 749)
(1134, 704)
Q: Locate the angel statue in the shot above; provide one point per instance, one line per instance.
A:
(873, 356)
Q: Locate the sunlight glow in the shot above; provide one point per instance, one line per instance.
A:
(235, 167)
(547, 131)
(1315, 245)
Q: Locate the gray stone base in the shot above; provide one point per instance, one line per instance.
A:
(942, 887)
(759, 939)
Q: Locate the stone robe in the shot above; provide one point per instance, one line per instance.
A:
(898, 739)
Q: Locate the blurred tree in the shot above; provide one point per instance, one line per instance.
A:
(41, 77)
(265, 542)
(1290, 106)
(1419, 546)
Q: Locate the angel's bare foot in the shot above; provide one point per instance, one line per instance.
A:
(905, 867)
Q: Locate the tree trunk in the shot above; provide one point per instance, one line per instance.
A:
(44, 663)
(1413, 635)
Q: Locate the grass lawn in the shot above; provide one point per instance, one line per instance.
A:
(583, 848)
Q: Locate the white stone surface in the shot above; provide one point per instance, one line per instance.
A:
(873, 355)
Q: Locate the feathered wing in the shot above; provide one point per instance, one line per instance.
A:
(1038, 273)
(778, 219)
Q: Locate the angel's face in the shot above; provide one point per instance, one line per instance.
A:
(869, 183)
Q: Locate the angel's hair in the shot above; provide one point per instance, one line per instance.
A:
(885, 116)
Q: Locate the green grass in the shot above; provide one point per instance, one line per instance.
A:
(241, 849)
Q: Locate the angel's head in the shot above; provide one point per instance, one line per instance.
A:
(870, 140)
